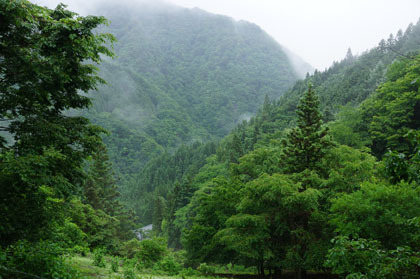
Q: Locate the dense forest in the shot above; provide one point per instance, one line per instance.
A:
(181, 76)
(323, 181)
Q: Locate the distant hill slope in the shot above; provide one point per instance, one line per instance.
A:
(350, 81)
(179, 76)
(346, 83)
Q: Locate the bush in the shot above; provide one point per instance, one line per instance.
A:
(130, 248)
(132, 263)
(363, 258)
(43, 259)
(98, 258)
(169, 265)
(188, 272)
(151, 251)
(207, 269)
(115, 264)
(129, 273)
(81, 250)
(69, 235)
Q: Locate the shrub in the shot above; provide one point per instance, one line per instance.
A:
(207, 269)
(43, 259)
(129, 272)
(169, 265)
(115, 264)
(130, 248)
(363, 258)
(81, 250)
(98, 258)
(188, 272)
(151, 251)
(69, 235)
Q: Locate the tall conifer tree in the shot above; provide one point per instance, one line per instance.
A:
(101, 188)
(307, 143)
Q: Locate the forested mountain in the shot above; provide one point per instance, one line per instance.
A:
(287, 192)
(352, 80)
(341, 89)
(182, 75)
(323, 182)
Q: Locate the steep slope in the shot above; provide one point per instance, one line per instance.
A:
(182, 75)
(352, 80)
(346, 83)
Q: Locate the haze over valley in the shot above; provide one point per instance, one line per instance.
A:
(143, 139)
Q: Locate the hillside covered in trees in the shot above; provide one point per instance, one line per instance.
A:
(323, 182)
(342, 196)
(341, 89)
(181, 76)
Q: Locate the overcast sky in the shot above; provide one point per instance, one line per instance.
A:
(319, 31)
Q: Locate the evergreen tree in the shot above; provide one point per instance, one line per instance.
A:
(101, 188)
(303, 151)
(306, 144)
(101, 192)
(394, 110)
(159, 210)
(179, 197)
(235, 149)
(349, 55)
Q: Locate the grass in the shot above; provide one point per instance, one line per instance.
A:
(88, 270)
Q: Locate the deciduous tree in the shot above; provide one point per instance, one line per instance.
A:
(46, 58)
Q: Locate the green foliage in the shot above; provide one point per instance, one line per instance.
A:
(99, 258)
(243, 216)
(272, 218)
(347, 169)
(100, 191)
(381, 212)
(130, 248)
(129, 272)
(69, 235)
(396, 166)
(151, 251)
(159, 211)
(345, 130)
(395, 108)
(100, 229)
(264, 196)
(160, 175)
(209, 209)
(178, 198)
(115, 264)
(259, 161)
(44, 259)
(399, 166)
(81, 250)
(220, 73)
(29, 194)
(362, 258)
(306, 145)
(190, 78)
(348, 82)
(207, 269)
(47, 58)
(169, 265)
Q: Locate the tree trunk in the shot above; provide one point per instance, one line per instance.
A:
(262, 269)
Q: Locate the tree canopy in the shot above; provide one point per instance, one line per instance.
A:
(46, 58)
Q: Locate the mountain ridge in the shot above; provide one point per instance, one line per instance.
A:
(184, 75)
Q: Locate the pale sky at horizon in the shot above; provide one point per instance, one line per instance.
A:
(319, 31)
